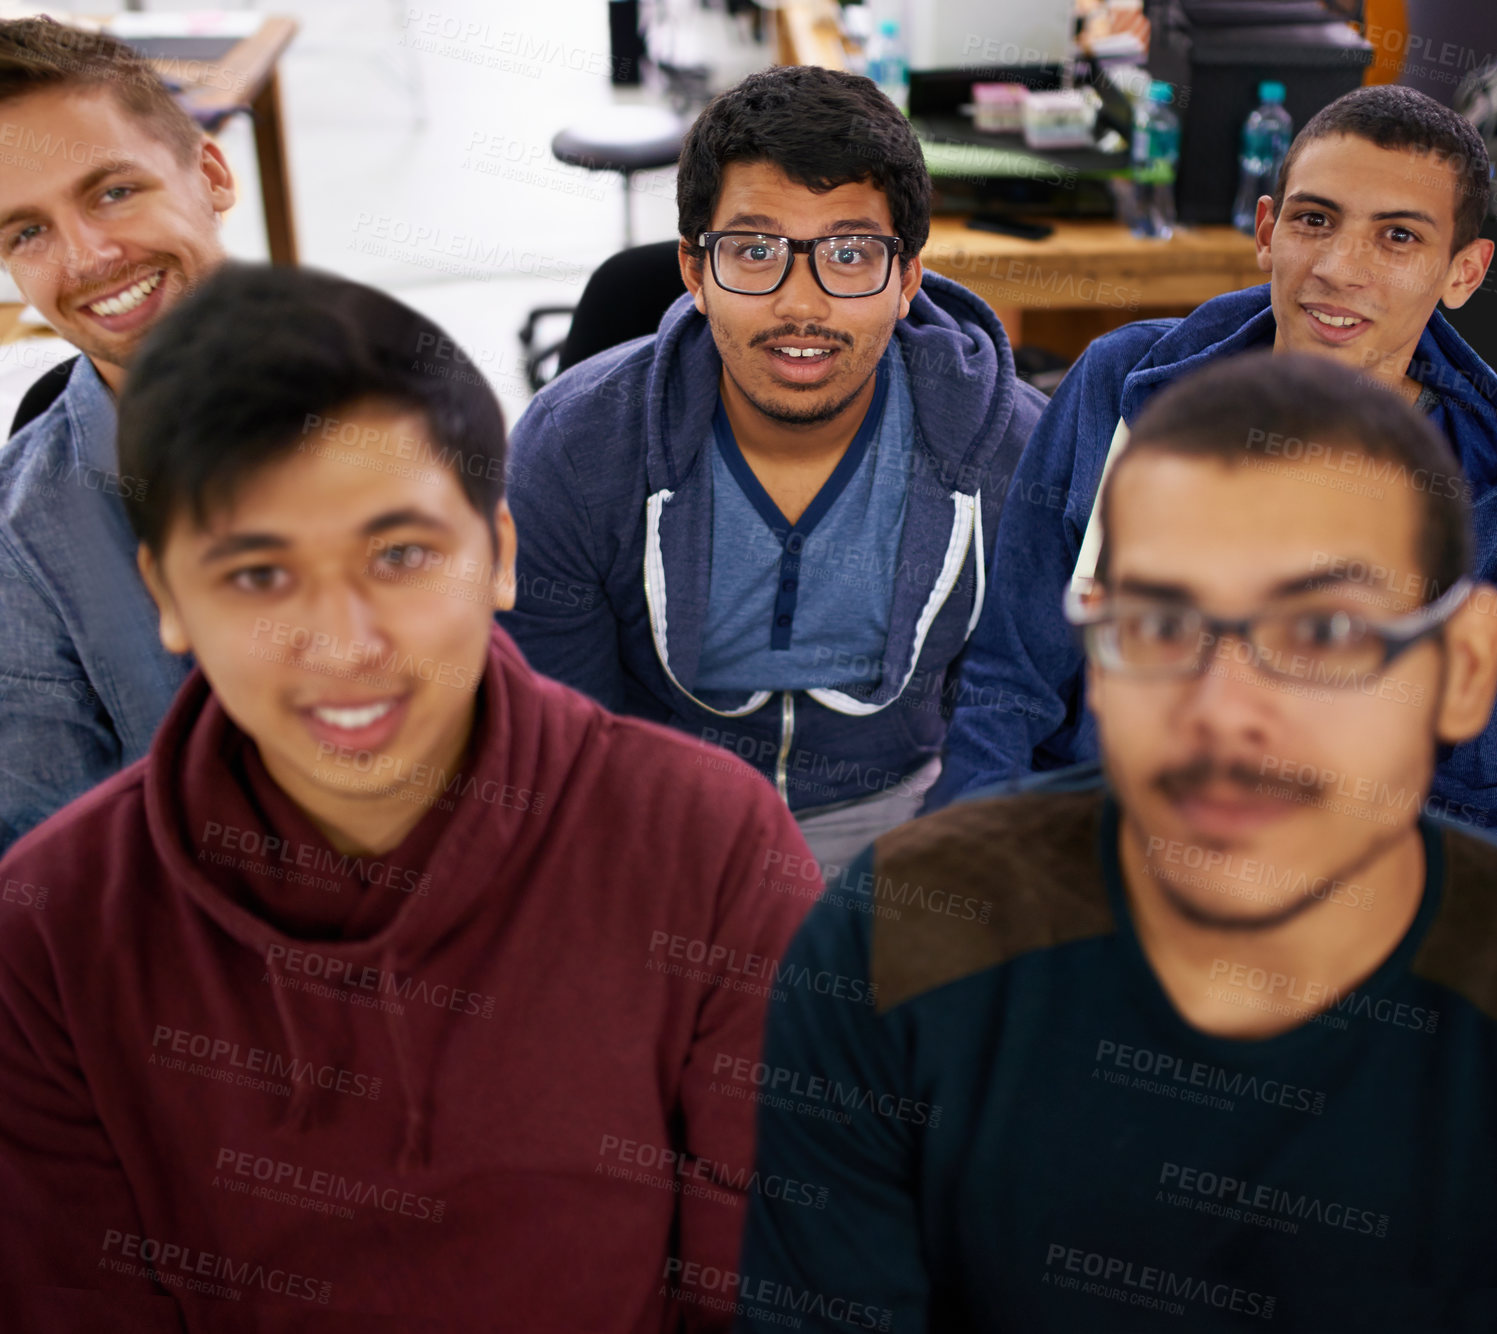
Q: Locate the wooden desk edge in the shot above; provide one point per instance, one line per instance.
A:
(248, 67)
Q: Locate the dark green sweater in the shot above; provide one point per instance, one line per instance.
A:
(1023, 1134)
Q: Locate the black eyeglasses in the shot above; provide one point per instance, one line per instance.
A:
(1326, 645)
(754, 264)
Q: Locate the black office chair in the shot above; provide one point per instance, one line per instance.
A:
(44, 391)
(625, 298)
(625, 140)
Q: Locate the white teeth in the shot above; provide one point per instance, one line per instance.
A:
(124, 302)
(1336, 321)
(352, 719)
(804, 351)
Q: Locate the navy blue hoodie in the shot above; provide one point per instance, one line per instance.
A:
(610, 483)
(1019, 707)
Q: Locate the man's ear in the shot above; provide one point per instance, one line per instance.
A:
(173, 632)
(1263, 225)
(1470, 668)
(504, 560)
(1467, 272)
(909, 284)
(693, 274)
(215, 168)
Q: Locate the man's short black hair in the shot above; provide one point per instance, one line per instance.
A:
(247, 368)
(822, 128)
(1300, 412)
(1394, 117)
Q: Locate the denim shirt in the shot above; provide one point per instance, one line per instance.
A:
(83, 676)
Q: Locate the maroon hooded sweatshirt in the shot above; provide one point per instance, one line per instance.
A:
(474, 1083)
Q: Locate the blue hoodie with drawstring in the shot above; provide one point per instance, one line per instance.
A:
(610, 484)
(1020, 706)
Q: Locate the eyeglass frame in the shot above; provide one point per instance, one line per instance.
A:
(1396, 636)
(708, 241)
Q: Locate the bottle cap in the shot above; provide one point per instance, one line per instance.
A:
(1159, 91)
(1271, 91)
(889, 28)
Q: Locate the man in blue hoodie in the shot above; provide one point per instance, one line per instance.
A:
(770, 524)
(1373, 223)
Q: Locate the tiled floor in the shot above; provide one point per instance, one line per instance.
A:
(419, 140)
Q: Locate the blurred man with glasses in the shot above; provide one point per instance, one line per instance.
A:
(1223, 1050)
(770, 524)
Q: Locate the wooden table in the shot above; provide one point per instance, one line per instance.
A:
(245, 78)
(807, 33)
(11, 328)
(1089, 277)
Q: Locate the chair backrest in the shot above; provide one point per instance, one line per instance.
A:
(625, 298)
(43, 393)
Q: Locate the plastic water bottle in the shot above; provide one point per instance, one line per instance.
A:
(1156, 152)
(1265, 141)
(857, 33)
(887, 66)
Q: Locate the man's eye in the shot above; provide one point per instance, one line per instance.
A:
(1402, 235)
(1312, 220)
(117, 192)
(754, 252)
(849, 256)
(259, 579)
(402, 556)
(1160, 627)
(1328, 630)
(25, 235)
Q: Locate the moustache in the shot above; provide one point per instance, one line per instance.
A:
(810, 331)
(1207, 771)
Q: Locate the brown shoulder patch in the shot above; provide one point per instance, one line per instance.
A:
(981, 882)
(1460, 951)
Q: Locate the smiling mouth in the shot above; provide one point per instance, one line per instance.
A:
(1337, 321)
(1339, 324)
(122, 303)
(803, 352)
(351, 719)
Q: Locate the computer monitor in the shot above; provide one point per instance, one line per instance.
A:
(968, 34)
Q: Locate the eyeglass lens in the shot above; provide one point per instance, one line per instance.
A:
(846, 265)
(1302, 643)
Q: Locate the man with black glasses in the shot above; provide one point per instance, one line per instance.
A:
(1224, 1050)
(769, 525)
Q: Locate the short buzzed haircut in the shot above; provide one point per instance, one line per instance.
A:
(1394, 117)
(38, 55)
(1254, 404)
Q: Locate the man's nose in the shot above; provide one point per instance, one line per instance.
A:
(89, 249)
(1232, 692)
(800, 296)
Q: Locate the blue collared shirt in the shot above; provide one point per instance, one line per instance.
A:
(84, 679)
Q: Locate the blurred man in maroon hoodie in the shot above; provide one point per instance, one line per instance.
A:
(388, 990)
